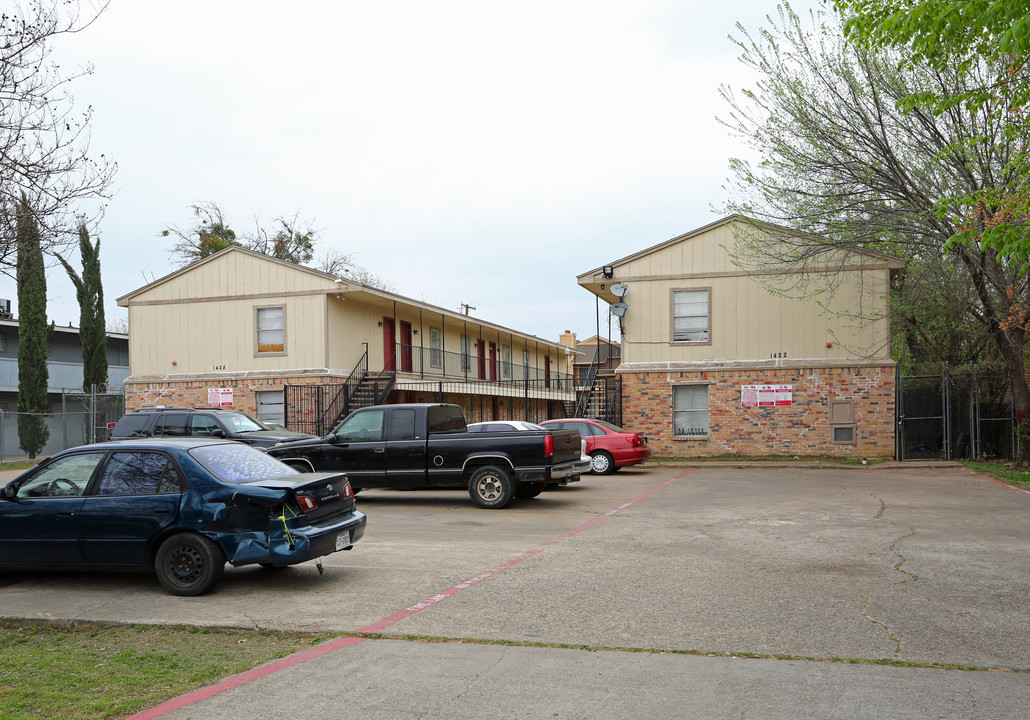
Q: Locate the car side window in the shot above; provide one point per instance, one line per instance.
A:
(362, 427)
(171, 425)
(203, 426)
(402, 425)
(139, 473)
(65, 477)
(585, 429)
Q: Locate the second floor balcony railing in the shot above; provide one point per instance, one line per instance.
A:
(428, 363)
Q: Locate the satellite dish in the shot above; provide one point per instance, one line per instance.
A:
(619, 309)
(619, 290)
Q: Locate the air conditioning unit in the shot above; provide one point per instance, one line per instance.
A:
(5, 308)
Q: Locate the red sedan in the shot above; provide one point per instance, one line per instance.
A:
(609, 446)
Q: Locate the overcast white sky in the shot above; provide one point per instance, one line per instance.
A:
(465, 151)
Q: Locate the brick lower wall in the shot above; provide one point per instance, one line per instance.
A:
(801, 429)
(194, 393)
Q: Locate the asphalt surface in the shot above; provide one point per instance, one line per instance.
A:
(644, 594)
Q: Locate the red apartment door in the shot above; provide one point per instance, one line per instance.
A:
(493, 361)
(405, 346)
(388, 345)
(481, 358)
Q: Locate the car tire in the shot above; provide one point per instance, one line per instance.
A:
(528, 491)
(188, 564)
(601, 463)
(491, 487)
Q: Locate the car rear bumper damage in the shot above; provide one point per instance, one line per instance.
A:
(289, 541)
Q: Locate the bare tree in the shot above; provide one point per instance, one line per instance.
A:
(290, 238)
(846, 163)
(44, 138)
(209, 234)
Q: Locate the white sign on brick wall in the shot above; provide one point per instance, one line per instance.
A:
(219, 397)
(766, 395)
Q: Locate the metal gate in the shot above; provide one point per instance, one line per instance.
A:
(954, 416)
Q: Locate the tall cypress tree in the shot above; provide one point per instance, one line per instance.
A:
(92, 327)
(32, 334)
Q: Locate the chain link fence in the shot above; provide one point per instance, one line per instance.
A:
(76, 418)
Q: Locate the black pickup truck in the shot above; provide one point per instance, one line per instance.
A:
(428, 446)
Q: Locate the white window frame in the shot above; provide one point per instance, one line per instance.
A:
(685, 416)
(704, 335)
(435, 347)
(262, 316)
(505, 361)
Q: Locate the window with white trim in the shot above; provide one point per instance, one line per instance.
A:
(689, 411)
(435, 347)
(506, 361)
(271, 330)
(690, 315)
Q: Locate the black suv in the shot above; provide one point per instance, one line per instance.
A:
(200, 422)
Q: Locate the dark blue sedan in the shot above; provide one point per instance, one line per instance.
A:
(182, 508)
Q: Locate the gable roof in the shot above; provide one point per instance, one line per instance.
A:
(595, 280)
(333, 285)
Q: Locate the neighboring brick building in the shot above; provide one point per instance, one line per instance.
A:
(715, 364)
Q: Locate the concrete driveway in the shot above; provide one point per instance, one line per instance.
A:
(702, 568)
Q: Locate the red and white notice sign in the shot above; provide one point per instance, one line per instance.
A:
(219, 397)
(766, 395)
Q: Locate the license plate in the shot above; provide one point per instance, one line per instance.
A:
(343, 540)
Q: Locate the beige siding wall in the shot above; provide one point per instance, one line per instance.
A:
(748, 318)
(204, 337)
(203, 320)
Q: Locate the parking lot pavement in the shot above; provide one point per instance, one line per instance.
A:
(921, 566)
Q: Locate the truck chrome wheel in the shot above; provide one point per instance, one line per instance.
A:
(491, 487)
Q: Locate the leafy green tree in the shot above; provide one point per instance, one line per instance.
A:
(962, 37)
(32, 335)
(89, 291)
(843, 161)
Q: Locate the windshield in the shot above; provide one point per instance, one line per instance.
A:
(239, 422)
(239, 463)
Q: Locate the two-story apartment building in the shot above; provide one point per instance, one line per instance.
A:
(716, 361)
(300, 347)
(69, 404)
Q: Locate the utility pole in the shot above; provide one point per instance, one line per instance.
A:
(466, 307)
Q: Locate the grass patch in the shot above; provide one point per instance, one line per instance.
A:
(1004, 471)
(25, 465)
(93, 670)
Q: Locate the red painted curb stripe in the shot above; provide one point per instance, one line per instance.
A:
(340, 643)
(999, 482)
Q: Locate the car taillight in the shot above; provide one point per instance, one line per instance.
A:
(548, 445)
(306, 502)
(348, 492)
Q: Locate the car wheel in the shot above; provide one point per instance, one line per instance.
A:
(188, 564)
(527, 491)
(491, 487)
(601, 463)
